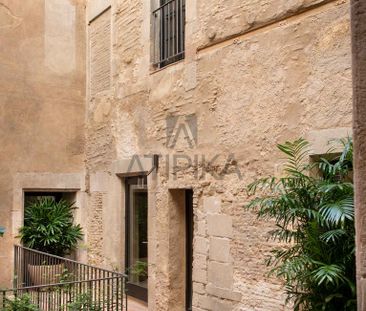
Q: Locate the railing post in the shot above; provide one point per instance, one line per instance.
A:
(15, 266)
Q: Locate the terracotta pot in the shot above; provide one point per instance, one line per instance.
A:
(45, 274)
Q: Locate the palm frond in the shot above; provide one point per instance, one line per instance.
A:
(333, 235)
(329, 274)
(337, 212)
(296, 152)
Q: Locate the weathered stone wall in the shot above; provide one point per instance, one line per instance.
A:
(256, 73)
(100, 53)
(42, 101)
(359, 82)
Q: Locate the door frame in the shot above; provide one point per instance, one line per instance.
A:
(189, 247)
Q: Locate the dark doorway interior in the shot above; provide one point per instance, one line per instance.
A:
(31, 196)
(57, 196)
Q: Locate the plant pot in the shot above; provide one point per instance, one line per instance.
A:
(45, 274)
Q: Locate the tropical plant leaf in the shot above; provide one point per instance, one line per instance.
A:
(314, 218)
(48, 226)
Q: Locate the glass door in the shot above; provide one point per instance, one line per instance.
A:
(137, 237)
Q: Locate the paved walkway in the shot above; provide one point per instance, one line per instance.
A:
(136, 305)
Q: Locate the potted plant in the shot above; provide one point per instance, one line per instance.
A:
(140, 270)
(49, 228)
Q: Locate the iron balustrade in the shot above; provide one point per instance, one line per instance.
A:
(169, 32)
(56, 283)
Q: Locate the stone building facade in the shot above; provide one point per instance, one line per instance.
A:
(254, 74)
(42, 107)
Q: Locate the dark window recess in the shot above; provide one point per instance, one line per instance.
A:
(169, 31)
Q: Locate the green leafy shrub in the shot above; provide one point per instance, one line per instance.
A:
(48, 226)
(314, 218)
(83, 302)
(20, 303)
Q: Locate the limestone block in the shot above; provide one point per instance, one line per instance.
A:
(214, 304)
(200, 261)
(223, 293)
(220, 274)
(198, 288)
(132, 165)
(99, 182)
(201, 227)
(220, 225)
(212, 205)
(201, 245)
(220, 249)
(199, 275)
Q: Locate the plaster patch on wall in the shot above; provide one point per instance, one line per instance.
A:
(59, 36)
(7, 18)
(126, 144)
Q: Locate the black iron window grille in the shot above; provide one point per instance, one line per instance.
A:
(169, 31)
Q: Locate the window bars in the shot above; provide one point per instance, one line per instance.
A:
(168, 32)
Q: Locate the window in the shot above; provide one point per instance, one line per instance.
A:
(169, 25)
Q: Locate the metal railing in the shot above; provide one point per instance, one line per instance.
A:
(169, 32)
(56, 283)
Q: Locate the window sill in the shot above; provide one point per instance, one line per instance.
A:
(156, 70)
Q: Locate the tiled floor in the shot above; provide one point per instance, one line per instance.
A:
(136, 305)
